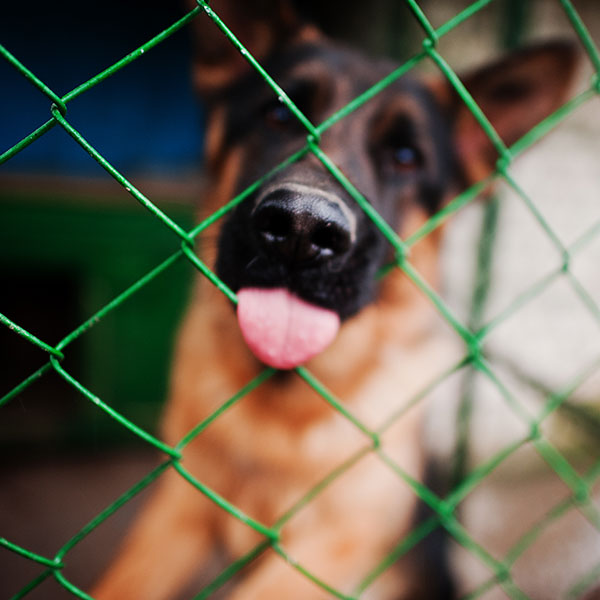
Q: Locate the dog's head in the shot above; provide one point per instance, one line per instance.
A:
(299, 250)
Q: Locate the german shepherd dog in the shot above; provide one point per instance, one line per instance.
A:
(304, 260)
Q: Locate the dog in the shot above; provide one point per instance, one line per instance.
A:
(305, 262)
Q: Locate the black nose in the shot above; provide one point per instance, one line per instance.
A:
(298, 227)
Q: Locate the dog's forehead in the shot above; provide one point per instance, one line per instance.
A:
(346, 70)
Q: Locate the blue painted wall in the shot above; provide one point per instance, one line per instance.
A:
(145, 118)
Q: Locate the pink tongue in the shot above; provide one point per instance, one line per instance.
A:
(282, 330)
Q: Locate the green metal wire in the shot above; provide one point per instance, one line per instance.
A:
(33, 584)
(281, 94)
(113, 413)
(225, 505)
(112, 171)
(42, 560)
(445, 508)
(60, 103)
(30, 337)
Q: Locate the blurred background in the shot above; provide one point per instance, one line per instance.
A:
(71, 239)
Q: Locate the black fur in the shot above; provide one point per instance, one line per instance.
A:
(390, 163)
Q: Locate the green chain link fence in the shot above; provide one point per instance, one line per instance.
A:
(444, 509)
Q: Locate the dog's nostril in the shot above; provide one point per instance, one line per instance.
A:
(272, 223)
(301, 228)
(331, 238)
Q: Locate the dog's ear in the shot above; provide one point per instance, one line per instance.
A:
(515, 94)
(260, 25)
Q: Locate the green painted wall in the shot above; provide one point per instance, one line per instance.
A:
(62, 259)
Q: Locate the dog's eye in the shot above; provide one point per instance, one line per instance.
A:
(279, 116)
(406, 158)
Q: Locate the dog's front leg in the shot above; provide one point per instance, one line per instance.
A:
(169, 542)
(337, 555)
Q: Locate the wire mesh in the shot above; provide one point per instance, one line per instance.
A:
(444, 509)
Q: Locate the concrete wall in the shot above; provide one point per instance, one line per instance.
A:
(549, 344)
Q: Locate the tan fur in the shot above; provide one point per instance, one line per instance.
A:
(266, 452)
